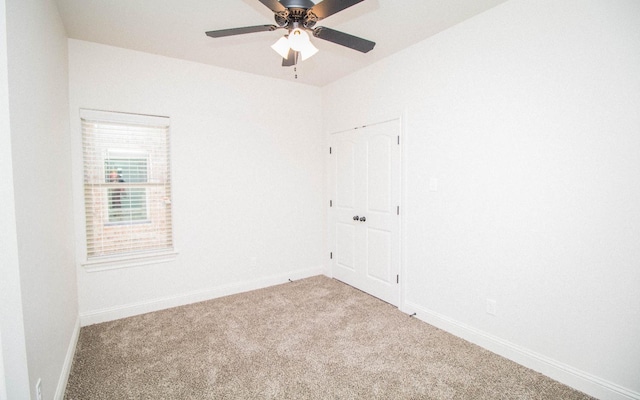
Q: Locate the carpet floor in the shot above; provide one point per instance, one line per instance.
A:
(316, 338)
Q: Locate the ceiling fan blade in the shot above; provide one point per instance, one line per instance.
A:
(329, 7)
(291, 59)
(241, 31)
(343, 39)
(274, 5)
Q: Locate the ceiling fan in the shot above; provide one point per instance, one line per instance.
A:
(299, 17)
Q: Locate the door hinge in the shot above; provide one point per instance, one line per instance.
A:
(330, 203)
(329, 150)
(397, 278)
(398, 139)
(398, 210)
(331, 255)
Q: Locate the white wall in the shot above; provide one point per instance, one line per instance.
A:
(527, 115)
(247, 177)
(41, 161)
(3, 382)
(14, 377)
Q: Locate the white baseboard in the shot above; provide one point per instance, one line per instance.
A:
(570, 376)
(129, 310)
(68, 362)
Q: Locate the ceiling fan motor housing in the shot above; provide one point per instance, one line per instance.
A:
(297, 13)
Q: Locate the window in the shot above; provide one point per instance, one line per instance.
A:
(127, 203)
(127, 185)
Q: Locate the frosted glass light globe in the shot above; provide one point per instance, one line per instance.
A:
(298, 39)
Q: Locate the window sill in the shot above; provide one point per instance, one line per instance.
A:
(109, 263)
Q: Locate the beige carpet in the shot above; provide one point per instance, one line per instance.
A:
(311, 339)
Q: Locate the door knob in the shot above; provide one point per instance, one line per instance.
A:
(355, 218)
(362, 219)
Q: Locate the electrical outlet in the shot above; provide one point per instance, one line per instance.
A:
(491, 307)
(39, 389)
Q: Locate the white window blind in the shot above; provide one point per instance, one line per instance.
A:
(127, 184)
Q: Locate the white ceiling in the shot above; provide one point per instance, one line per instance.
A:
(176, 28)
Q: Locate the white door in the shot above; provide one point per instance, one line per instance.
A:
(364, 217)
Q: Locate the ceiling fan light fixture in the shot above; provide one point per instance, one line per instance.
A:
(281, 47)
(298, 39)
(308, 51)
(304, 47)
